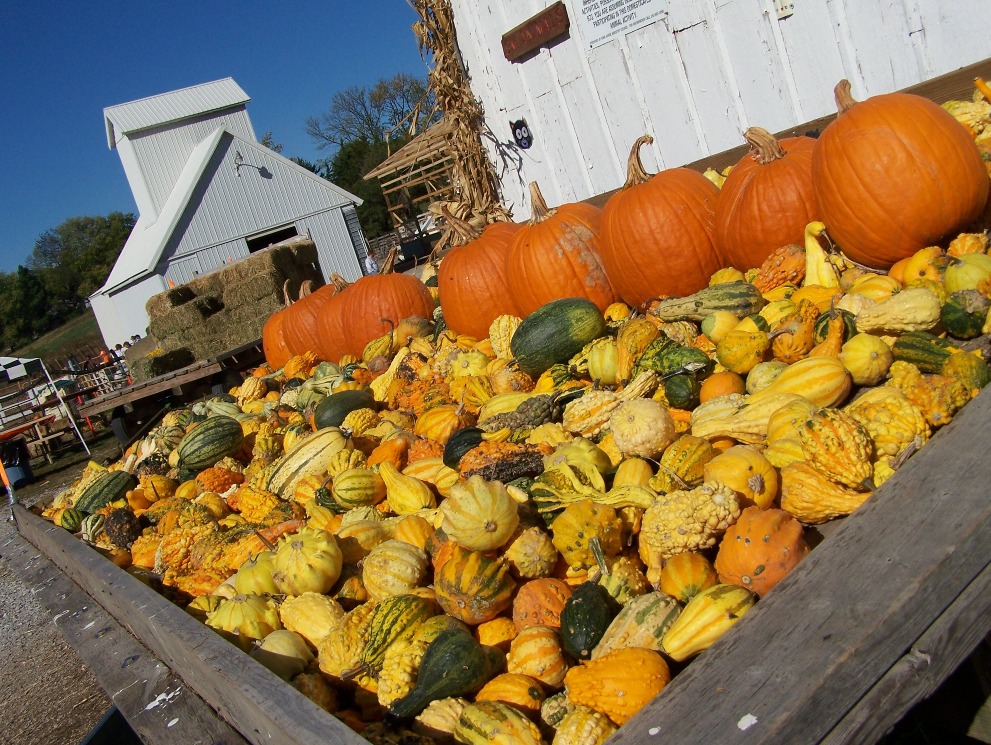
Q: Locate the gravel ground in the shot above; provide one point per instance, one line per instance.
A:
(48, 695)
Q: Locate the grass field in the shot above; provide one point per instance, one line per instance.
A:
(80, 334)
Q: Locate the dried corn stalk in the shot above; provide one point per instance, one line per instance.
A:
(476, 198)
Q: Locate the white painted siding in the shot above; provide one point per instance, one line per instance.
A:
(335, 246)
(269, 192)
(123, 314)
(161, 153)
(695, 80)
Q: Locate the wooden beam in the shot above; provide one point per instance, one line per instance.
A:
(264, 709)
(940, 650)
(160, 708)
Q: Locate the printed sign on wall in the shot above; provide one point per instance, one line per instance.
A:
(603, 20)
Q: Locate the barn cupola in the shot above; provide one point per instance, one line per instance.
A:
(156, 135)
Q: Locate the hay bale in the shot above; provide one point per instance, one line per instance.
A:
(227, 308)
(254, 289)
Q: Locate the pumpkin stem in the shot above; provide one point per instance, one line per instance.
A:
(285, 293)
(635, 172)
(268, 544)
(338, 281)
(844, 96)
(305, 288)
(538, 205)
(600, 558)
(766, 148)
(464, 230)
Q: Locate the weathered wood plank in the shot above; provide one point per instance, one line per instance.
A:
(160, 708)
(264, 708)
(938, 652)
(795, 665)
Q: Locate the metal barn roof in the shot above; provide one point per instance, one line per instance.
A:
(153, 111)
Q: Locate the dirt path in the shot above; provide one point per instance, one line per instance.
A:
(48, 695)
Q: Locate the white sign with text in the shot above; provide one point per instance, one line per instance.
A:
(603, 20)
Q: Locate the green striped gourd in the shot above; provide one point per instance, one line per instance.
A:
(554, 333)
(310, 456)
(924, 350)
(209, 441)
(358, 487)
(395, 619)
(106, 488)
(739, 298)
(71, 519)
(642, 623)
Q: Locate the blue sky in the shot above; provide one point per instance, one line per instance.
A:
(61, 63)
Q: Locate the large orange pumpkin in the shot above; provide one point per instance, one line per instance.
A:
(894, 174)
(657, 232)
(274, 345)
(376, 303)
(300, 324)
(330, 322)
(472, 279)
(556, 255)
(767, 199)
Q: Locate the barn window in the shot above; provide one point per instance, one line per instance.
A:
(270, 237)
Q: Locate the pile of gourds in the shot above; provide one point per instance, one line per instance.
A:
(474, 521)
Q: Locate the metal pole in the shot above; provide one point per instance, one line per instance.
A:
(11, 499)
(65, 406)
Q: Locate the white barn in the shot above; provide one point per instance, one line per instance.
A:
(693, 73)
(208, 194)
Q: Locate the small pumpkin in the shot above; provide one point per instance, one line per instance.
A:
(607, 686)
(685, 575)
(760, 549)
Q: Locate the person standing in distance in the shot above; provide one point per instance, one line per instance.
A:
(371, 266)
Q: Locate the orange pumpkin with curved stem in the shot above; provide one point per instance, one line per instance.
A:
(767, 199)
(556, 255)
(273, 340)
(330, 321)
(472, 281)
(300, 324)
(894, 174)
(376, 303)
(657, 232)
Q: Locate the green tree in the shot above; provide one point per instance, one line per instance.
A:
(74, 259)
(268, 140)
(390, 109)
(347, 169)
(25, 308)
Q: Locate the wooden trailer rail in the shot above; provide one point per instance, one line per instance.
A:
(146, 393)
(871, 622)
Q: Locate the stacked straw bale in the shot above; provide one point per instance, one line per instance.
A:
(225, 309)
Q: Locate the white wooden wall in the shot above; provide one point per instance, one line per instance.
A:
(695, 80)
